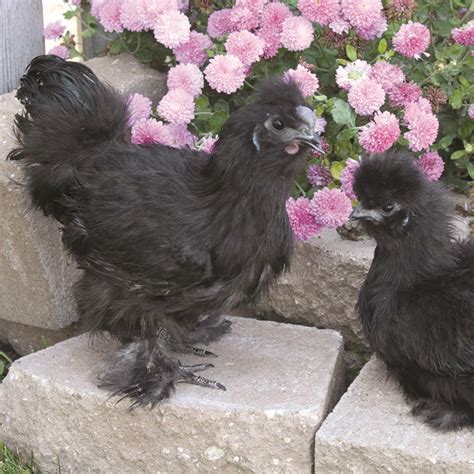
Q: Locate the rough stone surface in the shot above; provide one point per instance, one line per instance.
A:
(322, 287)
(281, 381)
(372, 431)
(128, 75)
(37, 275)
(26, 339)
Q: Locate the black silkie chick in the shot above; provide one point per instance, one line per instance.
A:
(417, 303)
(168, 239)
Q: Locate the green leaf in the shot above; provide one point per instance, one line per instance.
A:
(222, 105)
(217, 120)
(347, 134)
(351, 52)
(456, 99)
(382, 47)
(88, 33)
(458, 154)
(116, 48)
(342, 113)
(2, 368)
(70, 14)
(445, 142)
(469, 147)
(202, 103)
(470, 170)
(144, 55)
(336, 169)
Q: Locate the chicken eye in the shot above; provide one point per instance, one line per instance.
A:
(278, 124)
(388, 208)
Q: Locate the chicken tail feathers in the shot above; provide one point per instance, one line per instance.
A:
(67, 113)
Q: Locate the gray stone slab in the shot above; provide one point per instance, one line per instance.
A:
(322, 287)
(129, 75)
(36, 274)
(281, 382)
(372, 431)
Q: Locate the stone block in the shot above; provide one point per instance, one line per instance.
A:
(281, 382)
(37, 275)
(371, 430)
(129, 75)
(322, 287)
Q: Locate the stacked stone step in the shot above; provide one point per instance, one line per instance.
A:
(36, 302)
(281, 382)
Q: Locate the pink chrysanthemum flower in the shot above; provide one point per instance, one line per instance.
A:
(297, 33)
(138, 107)
(177, 106)
(96, 6)
(306, 81)
(320, 11)
(432, 165)
(187, 77)
(318, 176)
(53, 30)
(180, 136)
(347, 178)
(271, 38)
(134, 15)
(109, 16)
(366, 96)
(274, 14)
(330, 207)
(208, 143)
(75, 3)
(225, 73)
(373, 30)
(380, 134)
(246, 46)
(470, 112)
(172, 29)
(149, 132)
(414, 109)
(411, 40)
(340, 26)
(60, 50)
(403, 93)
(220, 23)
(194, 50)
(348, 75)
(465, 34)
(423, 132)
(302, 222)
(386, 74)
(362, 14)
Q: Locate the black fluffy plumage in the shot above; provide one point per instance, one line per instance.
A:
(417, 303)
(168, 239)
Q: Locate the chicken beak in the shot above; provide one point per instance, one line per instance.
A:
(313, 141)
(360, 213)
(307, 134)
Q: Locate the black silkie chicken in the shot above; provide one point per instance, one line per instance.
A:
(168, 239)
(417, 303)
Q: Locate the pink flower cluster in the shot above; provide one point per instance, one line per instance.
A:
(170, 26)
(465, 34)
(367, 86)
(432, 165)
(53, 30)
(411, 40)
(347, 177)
(306, 80)
(328, 208)
(422, 124)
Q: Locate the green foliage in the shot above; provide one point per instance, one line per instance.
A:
(5, 362)
(10, 463)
